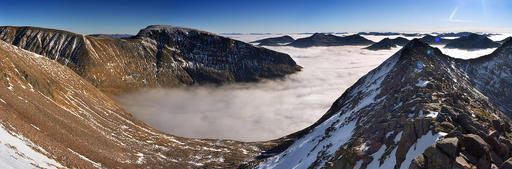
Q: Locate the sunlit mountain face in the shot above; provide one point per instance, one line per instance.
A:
(256, 84)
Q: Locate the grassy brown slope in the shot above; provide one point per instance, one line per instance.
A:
(74, 116)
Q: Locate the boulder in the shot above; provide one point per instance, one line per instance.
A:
(447, 125)
(437, 159)
(421, 126)
(448, 146)
(470, 125)
(474, 144)
(495, 145)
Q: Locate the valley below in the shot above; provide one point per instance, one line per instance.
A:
(269, 109)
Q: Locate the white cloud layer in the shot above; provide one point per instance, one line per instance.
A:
(258, 111)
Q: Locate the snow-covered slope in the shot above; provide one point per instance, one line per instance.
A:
(159, 55)
(418, 109)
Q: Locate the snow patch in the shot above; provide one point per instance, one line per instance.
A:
(141, 158)
(15, 152)
(389, 161)
(422, 83)
(389, 134)
(37, 128)
(419, 147)
(398, 137)
(365, 146)
(432, 114)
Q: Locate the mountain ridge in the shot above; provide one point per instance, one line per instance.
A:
(142, 61)
(429, 99)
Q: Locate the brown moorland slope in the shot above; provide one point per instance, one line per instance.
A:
(78, 126)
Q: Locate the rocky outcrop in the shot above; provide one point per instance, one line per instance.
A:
(320, 39)
(472, 42)
(157, 56)
(419, 109)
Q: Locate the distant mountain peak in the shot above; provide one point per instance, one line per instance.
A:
(274, 41)
(321, 39)
(471, 42)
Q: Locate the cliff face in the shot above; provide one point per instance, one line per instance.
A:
(158, 56)
(61, 120)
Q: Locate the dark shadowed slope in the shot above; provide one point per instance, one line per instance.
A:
(384, 44)
(320, 39)
(387, 43)
(472, 42)
(281, 39)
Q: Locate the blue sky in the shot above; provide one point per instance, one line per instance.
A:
(274, 16)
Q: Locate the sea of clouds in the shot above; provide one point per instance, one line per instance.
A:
(265, 110)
